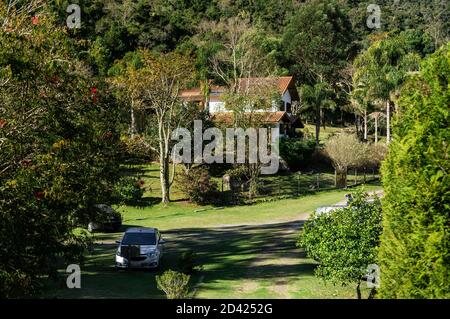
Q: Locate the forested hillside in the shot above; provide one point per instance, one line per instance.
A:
(290, 33)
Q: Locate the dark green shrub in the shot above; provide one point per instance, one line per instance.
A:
(188, 262)
(129, 189)
(297, 152)
(415, 245)
(174, 284)
(198, 186)
(136, 149)
(238, 173)
(15, 284)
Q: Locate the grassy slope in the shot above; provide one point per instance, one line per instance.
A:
(185, 215)
(239, 261)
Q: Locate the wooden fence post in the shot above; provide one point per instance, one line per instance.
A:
(318, 180)
(335, 178)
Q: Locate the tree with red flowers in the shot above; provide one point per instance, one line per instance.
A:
(154, 88)
(58, 154)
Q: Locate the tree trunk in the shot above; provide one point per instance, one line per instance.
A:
(373, 292)
(133, 129)
(335, 178)
(322, 118)
(254, 170)
(164, 165)
(164, 177)
(388, 122)
(358, 290)
(376, 129)
(365, 125)
(318, 125)
(341, 177)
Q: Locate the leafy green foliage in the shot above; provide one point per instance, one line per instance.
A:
(307, 38)
(129, 189)
(297, 152)
(430, 17)
(317, 99)
(415, 252)
(174, 284)
(383, 67)
(344, 241)
(58, 149)
(198, 186)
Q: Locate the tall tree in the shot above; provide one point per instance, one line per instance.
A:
(317, 97)
(415, 253)
(383, 67)
(58, 147)
(237, 62)
(154, 84)
(318, 41)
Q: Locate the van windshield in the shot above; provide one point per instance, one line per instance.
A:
(139, 239)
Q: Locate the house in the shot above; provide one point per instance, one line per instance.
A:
(279, 115)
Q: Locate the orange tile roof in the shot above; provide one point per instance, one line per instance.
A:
(266, 117)
(192, 95)
(282, 83)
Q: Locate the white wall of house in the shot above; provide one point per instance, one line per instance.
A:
(219, 106)
(215, 107)
(286, 97)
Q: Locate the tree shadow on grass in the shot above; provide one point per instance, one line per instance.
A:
(144, 202)
(244, 252)
(235, 253)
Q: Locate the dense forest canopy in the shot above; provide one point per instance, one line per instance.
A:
(115, 27)
(290, 33)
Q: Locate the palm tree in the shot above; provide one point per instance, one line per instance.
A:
(317, 98)
(382, 68)
(376, 116)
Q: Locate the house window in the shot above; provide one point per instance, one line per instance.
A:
(281, 105)
(288, 108)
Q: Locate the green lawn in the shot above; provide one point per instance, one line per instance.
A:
(272, 186)
(310, 130)
(325, 133)
(186, 215)
(241, 258)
